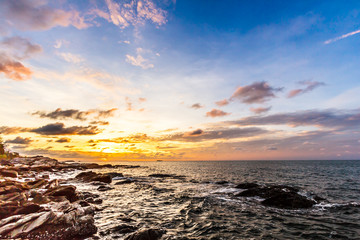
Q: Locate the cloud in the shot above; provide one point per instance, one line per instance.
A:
(342, 37)
(12, 130)
(14, 50)
(196, 132)
(217, 113)
(63, 140)
(214, 134)
(222, 103)
(260, 110)
(258, 92)
(141, 99)
(325, 118)
(75, 114)
(36, 15)
(310, 85)
(71, 58)
(20, 140)
(197, 106)
(139, 61)
(59, 129)
(132, 13)
(99, 123)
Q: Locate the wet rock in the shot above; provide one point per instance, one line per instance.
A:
(126, 181)
(222, 182)
(123, 228)
(115, 174)
(104, 188)
(280, 196)
(8, 173)
(247, 185)
(147, 234)
(92, 176)
(289, 200)
(67, 191)
(27, 209)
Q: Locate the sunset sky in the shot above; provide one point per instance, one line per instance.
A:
(180, 80)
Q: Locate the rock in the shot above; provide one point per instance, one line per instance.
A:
(222, 182)
(126, 181)
(247, 185)
(147, 234)
(160, 175)
(104, 188)
(123, 228)
(288, 200)
(8, 173)
(66, 191)
(92, 176)
(27, 209)
(279, 196)
(115, 174)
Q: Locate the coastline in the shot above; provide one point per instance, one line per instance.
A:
(35, 205)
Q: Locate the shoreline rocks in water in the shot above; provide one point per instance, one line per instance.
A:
(34, 207)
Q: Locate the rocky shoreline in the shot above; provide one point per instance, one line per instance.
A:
(33, 206)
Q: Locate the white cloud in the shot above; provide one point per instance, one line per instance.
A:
(59, 43)
(342, 37)
(139, 61)
(71, 58)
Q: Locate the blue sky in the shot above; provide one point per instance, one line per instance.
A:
(181, 80)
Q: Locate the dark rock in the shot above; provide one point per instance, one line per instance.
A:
(123, 228)
(247, 185)
(115, 174)
(288, 200)
(222, 182)
(104, 188)
(147, 234)
(126, 181)
(160, 175)
(92, 176)
(27, 209)
(8, 173)
(67, 191)
(318, 199)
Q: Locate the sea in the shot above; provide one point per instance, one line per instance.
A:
(191, 204)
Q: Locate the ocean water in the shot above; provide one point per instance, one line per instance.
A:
(193, 206)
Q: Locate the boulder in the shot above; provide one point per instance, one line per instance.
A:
(115, 174)
(247, 185)
(146, 234)
(8, 173)
(67, 191)
(126, 181)
(289, 200)
(92, 176)
(104, 188)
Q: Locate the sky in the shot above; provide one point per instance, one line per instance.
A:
(180, 80)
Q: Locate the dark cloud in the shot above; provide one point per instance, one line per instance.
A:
(258, 92)
(20, 140)
(59, 129)
(325, 118)
(75, 114)
(12, 130)
(196, 132)
(217, 113)
(310, 85)
(21, 48)
(197, 106)
(63, 140)
(222, 103)
(35, 15)
(260, 110)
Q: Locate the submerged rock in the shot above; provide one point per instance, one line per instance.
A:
(147, 234)
(247, 185)
(104, 188)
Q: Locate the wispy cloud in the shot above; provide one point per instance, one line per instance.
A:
(197, 106)
(260, 110)
(70, 57)
(36, 15)
(342, 37)
(222, 103)
(139, 60)
(310, 85)
(217, 113)
(14, 51)
(20, 140)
